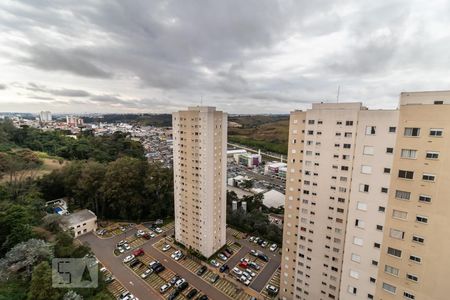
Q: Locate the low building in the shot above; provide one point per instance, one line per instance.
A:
(276, 219)
(80, 222)
(249, 160)
(273, 199)
(275, 169)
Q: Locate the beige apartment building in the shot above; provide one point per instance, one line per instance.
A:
(199, 159)
(415, 260)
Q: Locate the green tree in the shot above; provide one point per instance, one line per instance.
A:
(41, 284)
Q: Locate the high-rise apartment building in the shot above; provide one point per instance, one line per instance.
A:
(366, 215)
(415, 260)
(45, 116)
(199, 159)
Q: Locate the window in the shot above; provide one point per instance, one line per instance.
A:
(424, 198)
(349, 123)
(415, 258)
(377, 245)
(354, 274)
(405, 174)
(347, 146)
(399, 214)
(361, 205)
(359, 223)
(428, 177)
(418, 239)
(384, 190)
(403, 195)
(356, 257)
(412, 131)
(432, 155)
(408, 295)
(310, 121)
(389, 288)
(394, 252)
(370, 130)
(352, 290)
(387, 170)
(364, 188)
(421, 219)
(380, 227)
(358, 241)
(374, 263)
(392, 129)
(368, 150)
(366, 169)
(391, 270)
(408, 153)
(389, 150)
(381, 209)
(436, 132)
(412, 277)
(396, 234)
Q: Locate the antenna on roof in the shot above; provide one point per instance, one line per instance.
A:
(338, 91)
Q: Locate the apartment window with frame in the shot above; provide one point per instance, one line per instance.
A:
(356, 258)
(408, 153)
(364, 188)
(415, 258)
(389, 150)
(389, 288)
(408, 295)
(387, 170)
(432, 155)
(368, 150)
(394, 252)
(358, 241)
(412, 277)
(384, 190)
(391, 270)
(361, 206)
(348, 123)
(428, 177)
(436, 132)
(424, 198)
(366, 169)
(392, 129)
(310, 121)
(352, 290)
(412, 131)
(418, 239)
(360, 223)
(421, 219)
(370, 130)
(396, 234)
(399, 214)
(405, 174)
(402, 195)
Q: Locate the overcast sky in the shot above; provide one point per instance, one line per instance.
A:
(242, 56)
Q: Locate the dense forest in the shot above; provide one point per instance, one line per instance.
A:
(158, 120)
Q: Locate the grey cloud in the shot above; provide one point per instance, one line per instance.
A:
(3, 86)
(40, 97)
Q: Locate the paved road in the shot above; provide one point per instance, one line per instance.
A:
(103, 249)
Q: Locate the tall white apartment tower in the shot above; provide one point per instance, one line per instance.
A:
(199, 159)
(45, 116)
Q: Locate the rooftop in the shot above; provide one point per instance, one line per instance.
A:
(77, 217)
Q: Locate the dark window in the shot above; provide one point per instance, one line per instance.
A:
(387, 170)
(405, 174)
(389, 150)
(439, 102)
(392, 129)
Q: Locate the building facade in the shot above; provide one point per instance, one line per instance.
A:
(79, 222)
(45, 116)
(200, 156)
(414, 261)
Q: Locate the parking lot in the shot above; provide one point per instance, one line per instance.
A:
(212, 282)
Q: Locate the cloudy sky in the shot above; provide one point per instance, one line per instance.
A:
(244, 56)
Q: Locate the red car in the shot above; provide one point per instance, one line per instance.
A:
(138, 252)
(243, 264)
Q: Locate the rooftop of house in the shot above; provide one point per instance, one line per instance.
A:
(77, 218)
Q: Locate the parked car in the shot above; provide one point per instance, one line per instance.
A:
(166, 247)
(140, 233)
(146, 236)
(127, 247)
(243, 264)
(135, 262)
(177, 255)
(158, 230)
(214, 278)
(128, 258)
(121, 243)
(152, 263)
(271, 290)
(260, 242)
(159, 269)
(237, 271)
(174, 295)
(249, 274)
(146, 273)
(164, 288)
(223, 268)
(121, 249)
(263, 257)
(179, 282)
(201, 271)
(229, 251)
(254, 253)
(265, 244)
(222, 257)
(251, 239)
(204, 297)
(192, 294)
(214, 263)
(254, 265)
(244, 280)
(109, 279)
(273, 247)
(183, 286)
(174, 279)
(138, 252)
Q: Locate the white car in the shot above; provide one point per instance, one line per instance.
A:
(127, 247)
(177, 255)
(244, 280)
(222, 257)
(103, 270)
(121, 249)
(273, 247)
(214, 263)
(128, 258)
(249, 274)
(180, 282)
(264, 244)
(166, 247)
(152, 235)
(272, 290)
(164, 288)
(140, 233)
(237, 271)
(245, 259)
(158, 230)
(146, 273)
